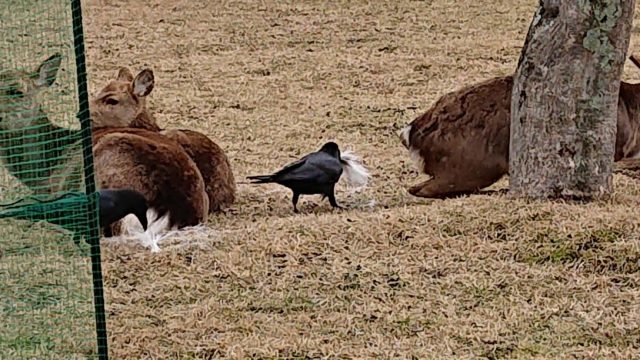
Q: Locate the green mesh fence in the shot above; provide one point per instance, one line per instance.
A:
(51, 303)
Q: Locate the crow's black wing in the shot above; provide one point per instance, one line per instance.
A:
(332, 169)
(290, 167)
(278, 175)
(319, 168)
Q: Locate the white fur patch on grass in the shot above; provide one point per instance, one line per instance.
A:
(158, 233)
(157, 229)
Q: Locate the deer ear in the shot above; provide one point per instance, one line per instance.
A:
(143, 83)
(124, 74)
(46, 73)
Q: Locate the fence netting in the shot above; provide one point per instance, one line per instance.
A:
(50, 278)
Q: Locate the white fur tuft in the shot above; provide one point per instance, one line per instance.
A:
(354, 173)
(418, 161)
(404, 135)
(156, 229)
(414, 154)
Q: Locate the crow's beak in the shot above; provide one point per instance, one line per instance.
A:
(143, 220)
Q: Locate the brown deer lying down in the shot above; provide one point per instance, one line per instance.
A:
(462, 141)
(139, 159)
(121, 103)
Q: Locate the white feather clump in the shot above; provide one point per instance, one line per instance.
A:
(355, 174)
(156, 230)
(159, 230)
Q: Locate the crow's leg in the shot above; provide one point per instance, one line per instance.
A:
(332, 199)
(295, 198)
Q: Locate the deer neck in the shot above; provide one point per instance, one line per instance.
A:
(144, 120)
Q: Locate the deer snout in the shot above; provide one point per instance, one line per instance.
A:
(94, 113)
(92, 110)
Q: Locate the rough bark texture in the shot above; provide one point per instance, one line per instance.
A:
(564, 99)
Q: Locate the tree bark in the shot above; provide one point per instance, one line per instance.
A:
(564, 99)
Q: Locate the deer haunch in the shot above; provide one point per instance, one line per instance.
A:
(213, 164)
(121, 103)
(462, 141)
(159, 169)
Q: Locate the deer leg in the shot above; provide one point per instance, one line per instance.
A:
(437, 188)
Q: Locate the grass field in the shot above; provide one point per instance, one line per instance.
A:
(394, 276)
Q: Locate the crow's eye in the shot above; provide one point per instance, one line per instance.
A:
(111, 101)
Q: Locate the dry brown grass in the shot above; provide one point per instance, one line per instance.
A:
(395, 276)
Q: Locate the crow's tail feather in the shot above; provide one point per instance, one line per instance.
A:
(260, 179)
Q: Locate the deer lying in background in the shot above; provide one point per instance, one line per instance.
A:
(462, 141)
(32, 148)
(143, 160)
(121, 103)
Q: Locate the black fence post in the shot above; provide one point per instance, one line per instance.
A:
(90, 186)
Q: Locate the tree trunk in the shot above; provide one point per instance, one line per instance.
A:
(564, 99)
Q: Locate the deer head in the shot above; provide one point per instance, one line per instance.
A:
(122, 103)
(43, 156)
(20, 105)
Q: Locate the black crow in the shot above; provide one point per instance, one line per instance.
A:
(118, 203)
(316, 173)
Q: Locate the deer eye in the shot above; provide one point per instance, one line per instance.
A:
(111, 101)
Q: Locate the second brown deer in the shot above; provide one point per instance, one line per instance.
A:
(462, 141)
